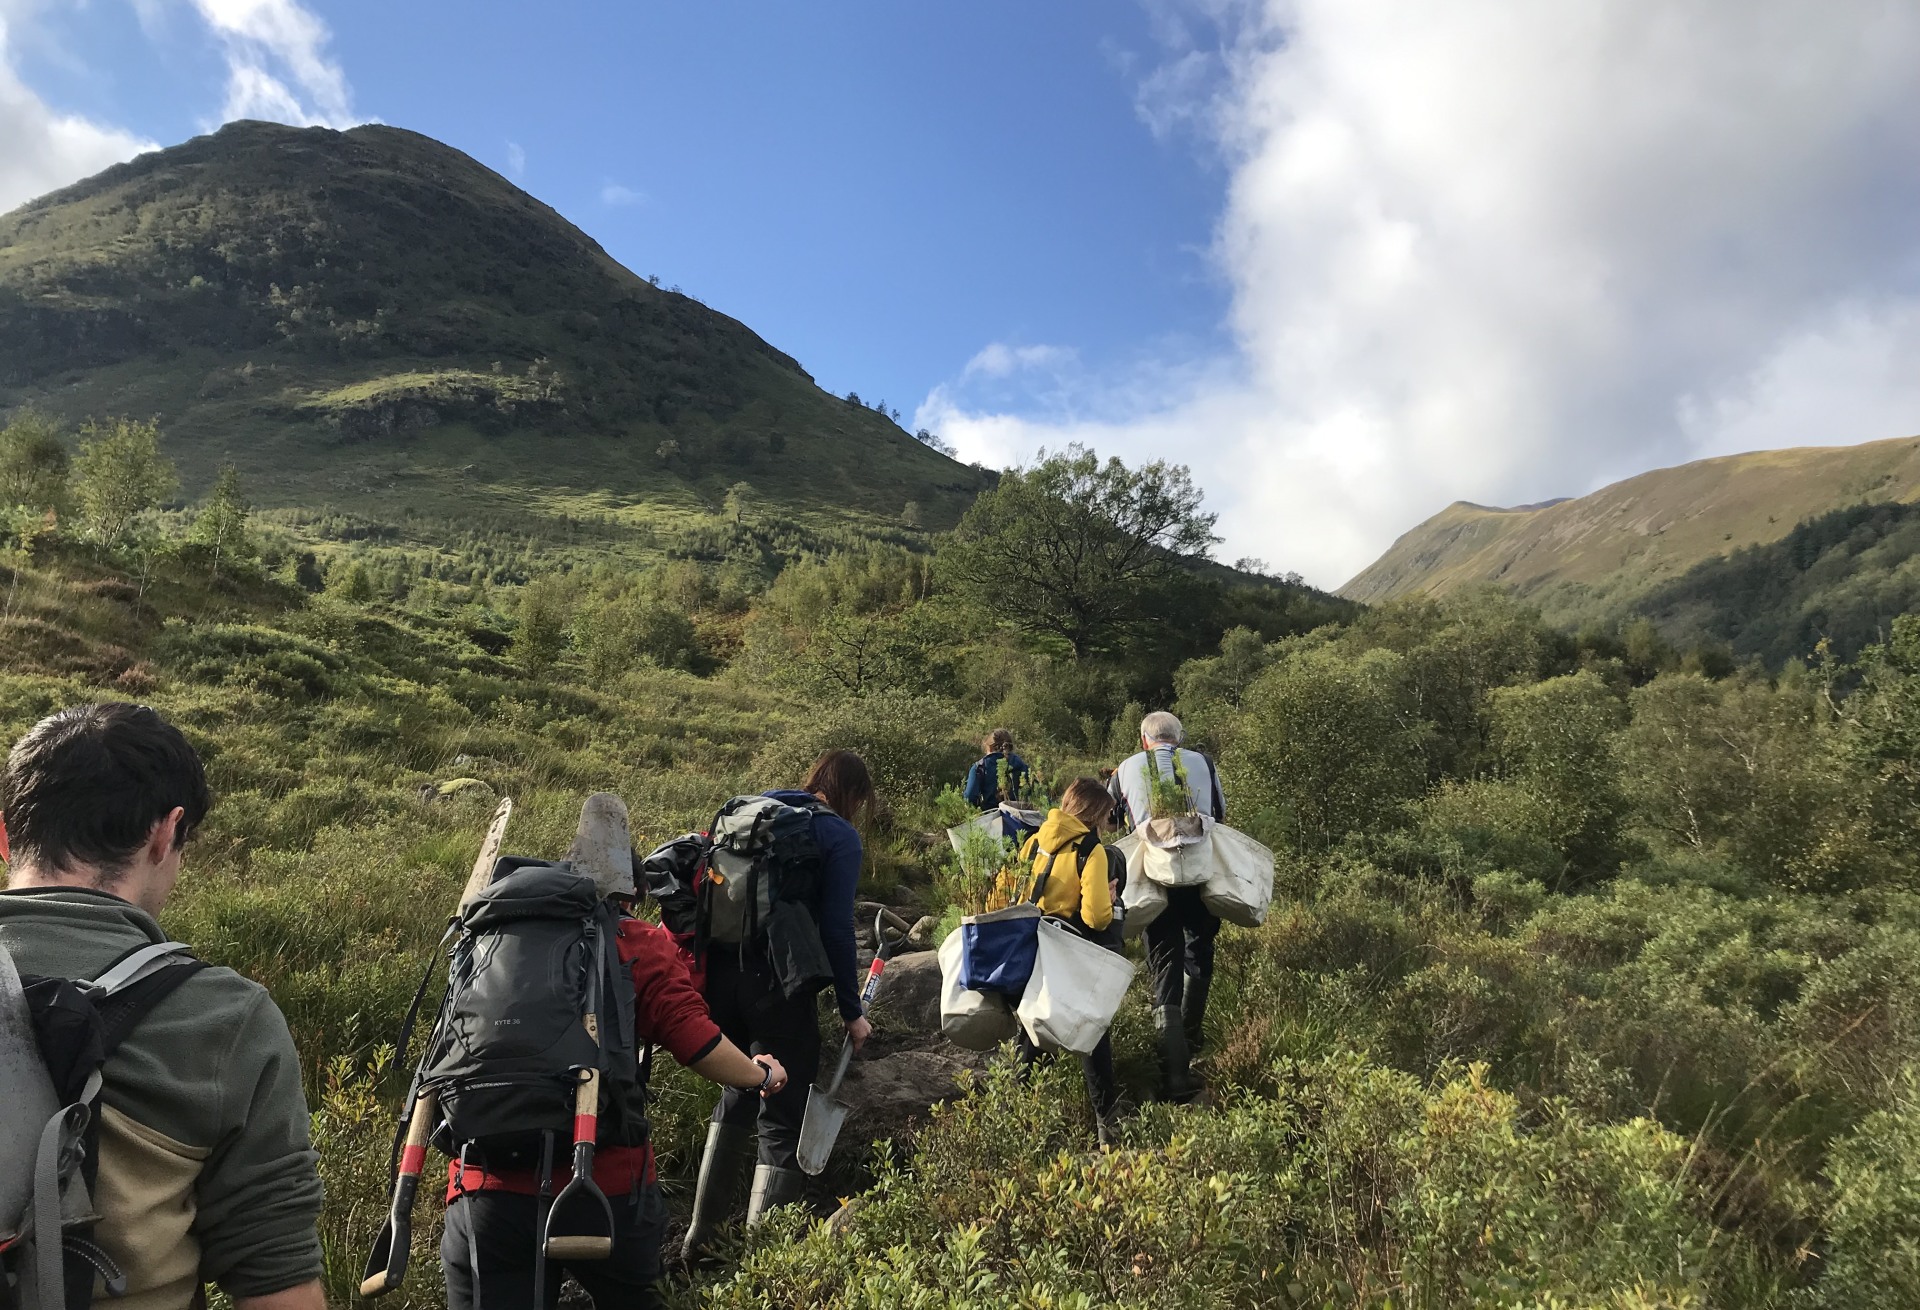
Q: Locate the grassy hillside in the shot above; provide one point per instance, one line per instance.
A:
(372, 322)
(1581, 558)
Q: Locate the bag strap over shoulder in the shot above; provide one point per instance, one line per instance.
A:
(1084, 846)
(1179, 770)
(134, 984)
(1044, 872)
(1219, 798)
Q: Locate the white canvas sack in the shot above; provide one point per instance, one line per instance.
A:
(997, 821)
(1075, 991)
(1145, 899)
(977, 1021)
(1241, 887)
(1177, 852)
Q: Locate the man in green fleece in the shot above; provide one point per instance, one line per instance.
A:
(206, 1174)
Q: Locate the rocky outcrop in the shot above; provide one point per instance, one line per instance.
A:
(909, 999)
(890, 1093)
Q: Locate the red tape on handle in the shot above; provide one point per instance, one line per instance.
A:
(413, 1159)
(873, 981)
(583, 1127)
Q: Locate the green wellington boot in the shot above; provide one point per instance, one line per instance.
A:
(1193, 1014)
(773, 1186)
(1176, 1073)
(722, 1165)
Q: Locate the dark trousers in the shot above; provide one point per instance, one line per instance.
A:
(501, 1227)
(1103, 1088)
(756, 1017)
(1180, 945)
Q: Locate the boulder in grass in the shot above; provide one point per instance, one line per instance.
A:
(909, 998)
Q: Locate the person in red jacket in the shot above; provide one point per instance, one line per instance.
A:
(487, 1248)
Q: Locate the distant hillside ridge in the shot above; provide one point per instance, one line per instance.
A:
(1840, 579)
(374, 321)
(1596, 554)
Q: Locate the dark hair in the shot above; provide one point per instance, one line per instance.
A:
(1086, 800)
(999, 740)
(841, 777)
(87, 785)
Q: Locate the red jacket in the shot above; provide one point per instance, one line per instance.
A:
(668, 1012)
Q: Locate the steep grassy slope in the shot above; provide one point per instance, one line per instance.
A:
(1577, 558)
(372, 321)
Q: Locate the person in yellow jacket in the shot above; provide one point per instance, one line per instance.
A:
(1082, 880)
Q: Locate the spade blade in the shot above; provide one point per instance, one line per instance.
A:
(603, 846)
(820, 1127)
(819, 1130)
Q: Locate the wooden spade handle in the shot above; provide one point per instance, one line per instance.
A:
(489, 852)
(586, 1108)
(406, 1186)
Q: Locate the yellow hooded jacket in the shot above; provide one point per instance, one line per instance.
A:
(1071, 891)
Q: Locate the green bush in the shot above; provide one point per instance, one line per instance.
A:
(1491, 823)
(617, 634)
(1325, 743)
(1353, 1185)
(1556, 738)
(267, 660)
(1874, 1223)
(907, 741)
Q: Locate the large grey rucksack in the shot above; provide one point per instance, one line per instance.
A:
(762, 884)
(55, 1037)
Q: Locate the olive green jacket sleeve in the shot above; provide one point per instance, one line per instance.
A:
(259, 1193)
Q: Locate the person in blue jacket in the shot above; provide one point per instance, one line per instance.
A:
(983, 789)
(753, 1012)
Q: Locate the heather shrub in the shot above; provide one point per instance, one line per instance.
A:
(1352, 1185)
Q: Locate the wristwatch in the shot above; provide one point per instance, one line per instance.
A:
(766, 1077)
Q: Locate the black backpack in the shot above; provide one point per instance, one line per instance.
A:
(55, 1037)
(671, 875)
(761, 886)
(536, 953)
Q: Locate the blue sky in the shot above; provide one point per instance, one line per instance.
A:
(1350, 260)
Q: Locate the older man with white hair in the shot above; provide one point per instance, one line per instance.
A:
(1180, 940)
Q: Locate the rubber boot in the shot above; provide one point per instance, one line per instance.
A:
(1176, 1074)
(773, 1186)
(1193, 1014)
(722, 1165)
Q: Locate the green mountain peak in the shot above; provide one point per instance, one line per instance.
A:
(373, 320)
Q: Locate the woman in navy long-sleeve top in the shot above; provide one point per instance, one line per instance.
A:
(751, 1009)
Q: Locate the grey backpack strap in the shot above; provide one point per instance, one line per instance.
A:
(130, 989)
(49, 1254)
(131, 968)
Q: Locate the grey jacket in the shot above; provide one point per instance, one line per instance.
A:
(1130, 783)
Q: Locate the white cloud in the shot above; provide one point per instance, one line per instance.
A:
(1839, 377)
(277, 68)
(1499, 252)
(516, 161)
(615, 194)
(44, 149)
(999, 360)
(277, 63)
